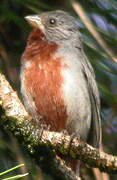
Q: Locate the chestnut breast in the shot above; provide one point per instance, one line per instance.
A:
(41, 82)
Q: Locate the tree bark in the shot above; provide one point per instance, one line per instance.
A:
(43, 144)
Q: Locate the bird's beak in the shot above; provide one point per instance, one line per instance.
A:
(34, 21)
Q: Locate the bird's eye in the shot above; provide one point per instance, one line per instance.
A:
(52, 21)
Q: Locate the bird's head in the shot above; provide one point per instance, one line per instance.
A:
(55, 25)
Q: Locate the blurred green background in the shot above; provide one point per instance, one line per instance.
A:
(13, 34)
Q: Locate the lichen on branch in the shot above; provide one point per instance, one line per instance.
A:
(38, 141)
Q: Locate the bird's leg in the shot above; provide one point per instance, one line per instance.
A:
(72, 163)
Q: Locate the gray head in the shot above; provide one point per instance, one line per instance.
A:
(55, 25)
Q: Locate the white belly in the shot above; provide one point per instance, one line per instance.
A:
(77, 100)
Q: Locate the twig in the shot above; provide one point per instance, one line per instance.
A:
(79, 10)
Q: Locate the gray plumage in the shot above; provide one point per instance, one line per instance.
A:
(66, 32)
(79, 91)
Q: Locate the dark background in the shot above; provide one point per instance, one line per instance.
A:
(13, 34)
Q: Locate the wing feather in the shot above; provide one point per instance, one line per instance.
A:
(95, 132)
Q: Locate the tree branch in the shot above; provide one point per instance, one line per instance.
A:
(14, 118)
(43, 144)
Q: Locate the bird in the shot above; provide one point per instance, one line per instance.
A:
(58, 84)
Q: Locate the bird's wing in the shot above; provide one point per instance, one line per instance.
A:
(95, 132)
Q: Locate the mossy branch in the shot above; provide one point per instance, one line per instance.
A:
(42, 144)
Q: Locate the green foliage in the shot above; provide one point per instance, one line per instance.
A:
(13, 177)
